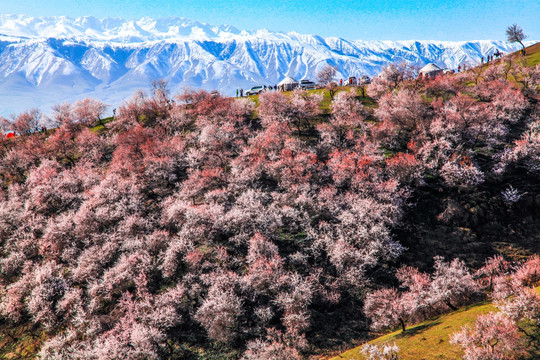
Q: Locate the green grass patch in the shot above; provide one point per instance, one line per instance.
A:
(97, 129)
(100, 126)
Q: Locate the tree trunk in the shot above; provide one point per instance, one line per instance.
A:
(449, 304)
(402, 324)
(522, 50)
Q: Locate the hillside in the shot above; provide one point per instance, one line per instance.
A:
(208, 227)
(65, 58)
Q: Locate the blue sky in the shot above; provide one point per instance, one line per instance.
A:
(363, 20)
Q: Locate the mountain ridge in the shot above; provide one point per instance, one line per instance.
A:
(57, 59)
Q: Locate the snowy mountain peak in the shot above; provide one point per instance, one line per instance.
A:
(111, 29)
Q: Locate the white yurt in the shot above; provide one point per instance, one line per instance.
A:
(430, 70)
(288, 84)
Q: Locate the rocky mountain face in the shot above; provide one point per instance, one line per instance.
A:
(49, 60)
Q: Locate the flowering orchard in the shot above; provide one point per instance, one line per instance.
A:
(207, 222)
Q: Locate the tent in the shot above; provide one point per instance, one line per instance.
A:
(288, 84)
(430, 70)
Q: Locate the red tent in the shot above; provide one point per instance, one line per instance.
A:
(10, 135)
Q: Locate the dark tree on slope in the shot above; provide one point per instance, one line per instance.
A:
(514, 34)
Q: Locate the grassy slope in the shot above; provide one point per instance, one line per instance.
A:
(533, 54)
(428, 340)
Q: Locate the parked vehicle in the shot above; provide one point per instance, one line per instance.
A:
(364, 80)
(306, 85)
(255, 90)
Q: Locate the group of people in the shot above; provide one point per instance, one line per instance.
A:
(490, 58)
(497, 54)
(240, 92)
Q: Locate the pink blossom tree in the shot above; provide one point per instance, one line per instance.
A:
(452, 283)
(88, 111)
(383, 352)
(495, 266)
(389, 79)
(28, 122)
(494, 336)
(346, 122)
(326, 74)
(219, 312)
(385, 309)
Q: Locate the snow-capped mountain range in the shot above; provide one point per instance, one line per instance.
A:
(50, 60)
